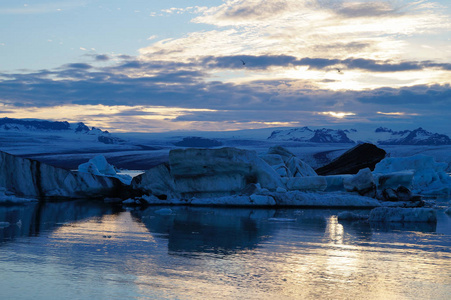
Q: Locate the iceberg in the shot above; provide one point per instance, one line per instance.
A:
(310, 183)
(219, 172)
(363, 183)
(428, 177)
(283, 161)
(100, 167)
(156, 181)
(28, 178)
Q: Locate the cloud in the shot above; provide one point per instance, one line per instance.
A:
(189, 87)
(101, 57)
(313, 61)
(366, 9)
(78, 66)
(267, 61)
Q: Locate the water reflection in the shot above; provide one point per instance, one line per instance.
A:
(77, 250)
(31, 219)
(208, 230)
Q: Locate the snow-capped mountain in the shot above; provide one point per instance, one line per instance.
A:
(305, 134)
(382, 136)
(418, 136)
(53, 127)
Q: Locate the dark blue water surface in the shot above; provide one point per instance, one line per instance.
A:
(88, 250)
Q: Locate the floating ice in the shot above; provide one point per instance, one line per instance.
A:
(395, 214)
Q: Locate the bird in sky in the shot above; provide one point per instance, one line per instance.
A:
(243, 62)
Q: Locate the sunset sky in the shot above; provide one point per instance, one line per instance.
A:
(155, 65)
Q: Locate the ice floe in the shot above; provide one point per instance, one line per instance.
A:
(396, 214)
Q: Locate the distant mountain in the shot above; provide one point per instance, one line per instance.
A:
(418, 136)
(44, 126)
(381, 136)
(32, 125)
(305, 134)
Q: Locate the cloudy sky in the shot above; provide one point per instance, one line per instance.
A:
(134, 65)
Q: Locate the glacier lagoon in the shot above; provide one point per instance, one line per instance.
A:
(90, 250)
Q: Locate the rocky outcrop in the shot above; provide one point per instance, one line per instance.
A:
(359, 157)
(30, 178)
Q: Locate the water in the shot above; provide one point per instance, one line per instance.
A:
(79, 250)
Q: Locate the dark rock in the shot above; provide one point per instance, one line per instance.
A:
(359, 157)
(81, 127)
(403, 193)
(109, 139)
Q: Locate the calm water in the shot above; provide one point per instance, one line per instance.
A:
(77, 250)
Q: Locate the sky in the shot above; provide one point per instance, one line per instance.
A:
(154, 66)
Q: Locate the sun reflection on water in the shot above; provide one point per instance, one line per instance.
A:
(199, 253)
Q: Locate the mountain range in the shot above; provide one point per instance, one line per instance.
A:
(381, 136)
(62, 127)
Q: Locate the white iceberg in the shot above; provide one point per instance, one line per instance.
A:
(363, 183)
(221, 172)
(28, 178)
(429, 177)
(100, 167)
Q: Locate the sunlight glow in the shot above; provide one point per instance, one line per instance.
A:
(339, 115)
(396, 114)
